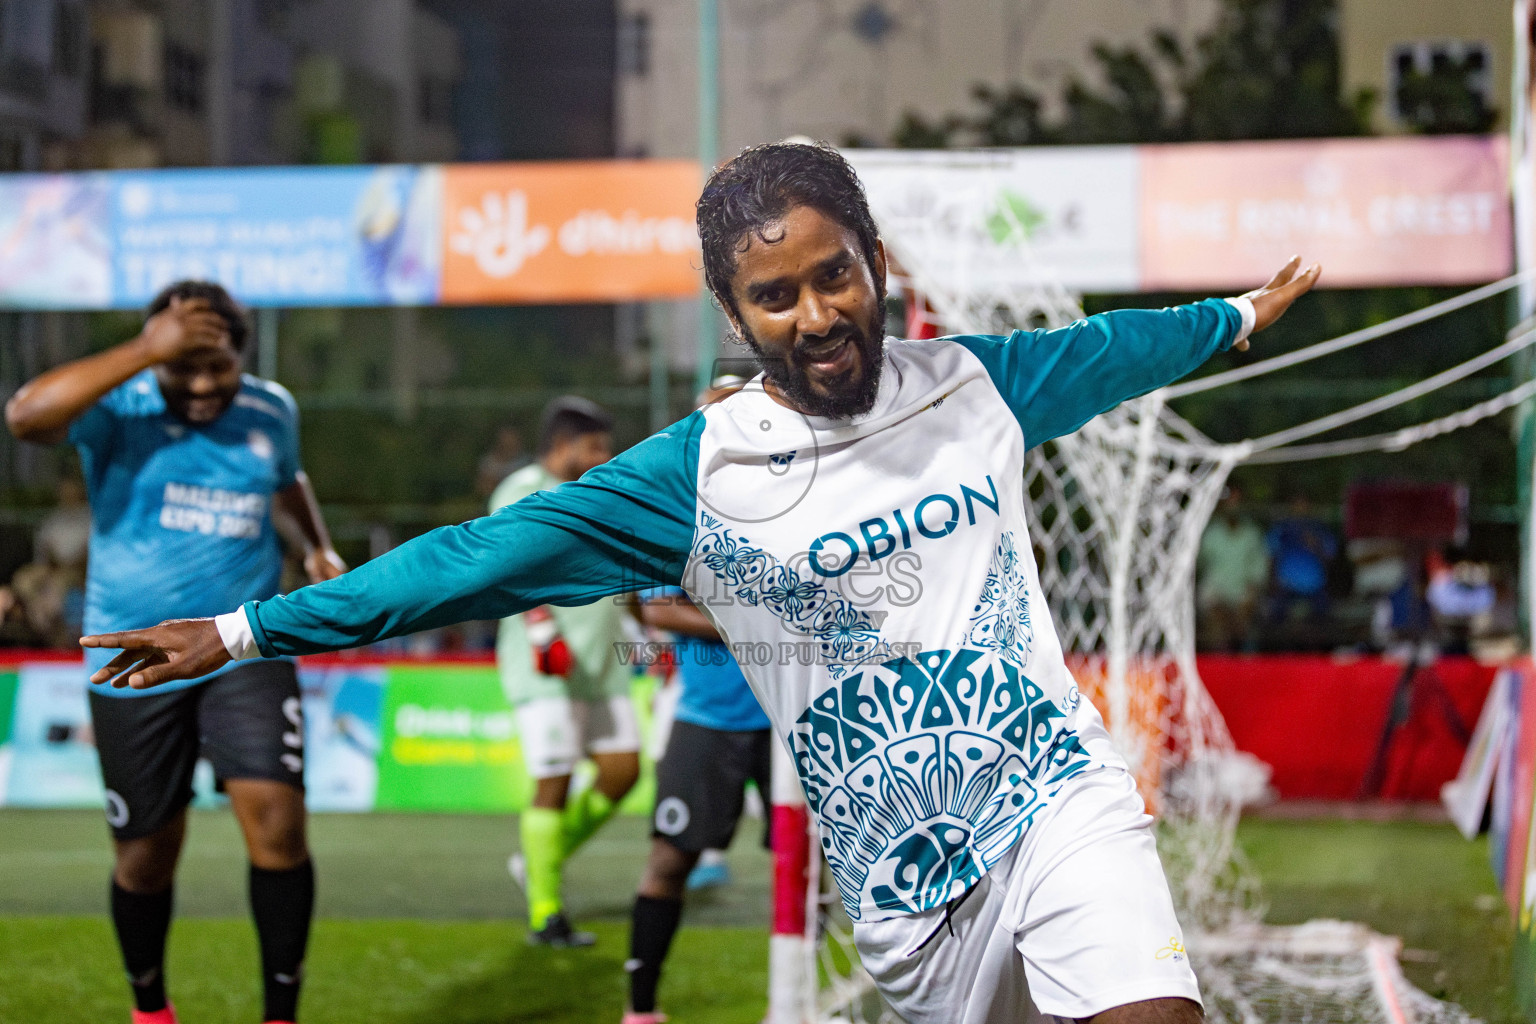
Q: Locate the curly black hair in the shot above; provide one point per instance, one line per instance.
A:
(760, 186)
(222, 302)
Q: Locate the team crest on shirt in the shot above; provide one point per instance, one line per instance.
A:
(778, 464)
(260, 445)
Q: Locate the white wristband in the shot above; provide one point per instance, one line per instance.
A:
(235, 630)
(1244, 307)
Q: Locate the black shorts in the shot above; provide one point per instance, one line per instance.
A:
(248, 723)
(700, 781)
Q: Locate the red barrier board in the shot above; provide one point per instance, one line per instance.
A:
(1317, 721)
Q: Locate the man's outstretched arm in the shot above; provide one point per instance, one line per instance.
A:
(1057, 380)
(626, 525)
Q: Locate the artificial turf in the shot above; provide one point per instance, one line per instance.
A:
(1421, 882)
(419, 923)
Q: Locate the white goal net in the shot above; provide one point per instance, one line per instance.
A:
(1118, 511)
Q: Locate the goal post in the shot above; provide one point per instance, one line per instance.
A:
(791, 946)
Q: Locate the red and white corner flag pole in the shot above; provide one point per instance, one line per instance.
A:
(791, 990)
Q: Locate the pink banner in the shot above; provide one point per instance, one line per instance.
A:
(1372, 211)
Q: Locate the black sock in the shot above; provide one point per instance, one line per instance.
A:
(652, 926)
(142, 920)
(282, 902)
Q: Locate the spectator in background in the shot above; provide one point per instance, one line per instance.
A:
(1461, 597)
(505, 457)
(46, 598)
(1233, 568)
(1301, 546)
(64, 536)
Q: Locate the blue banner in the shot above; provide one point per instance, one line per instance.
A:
(54, 248)
(285, 236)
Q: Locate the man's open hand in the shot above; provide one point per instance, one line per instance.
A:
(1272, 300)
(323, 564)
(175, 649)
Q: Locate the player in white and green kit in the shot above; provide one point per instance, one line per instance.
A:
(856, 520)
(562, 674)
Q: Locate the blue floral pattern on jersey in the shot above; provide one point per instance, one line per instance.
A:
(790, 597)
(1000, 620)
(734, 560)
(844, 634)
(924, 772)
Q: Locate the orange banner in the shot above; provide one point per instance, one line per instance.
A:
(1372, 211)
(609, 231)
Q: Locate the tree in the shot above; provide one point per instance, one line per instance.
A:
(1446, 99)
(1132, 107)
(1268, 69)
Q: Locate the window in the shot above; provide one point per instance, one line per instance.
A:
(1442, 86)
(635, 44)
(183, 78)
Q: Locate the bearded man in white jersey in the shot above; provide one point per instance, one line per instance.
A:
(859, 513)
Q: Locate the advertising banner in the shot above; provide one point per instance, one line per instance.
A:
(1374, 212)
(1189, 217)
(54, 247)
(1513, 844)
(343, 715)
(570, 232)
(52, 760)
(7, 706)
(377, 736)
(286, 236)
(963, 215)
(448, 742)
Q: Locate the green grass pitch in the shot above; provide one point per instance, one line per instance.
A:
(419, 922)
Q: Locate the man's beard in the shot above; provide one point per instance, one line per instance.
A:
(207, 409)
(839, 398)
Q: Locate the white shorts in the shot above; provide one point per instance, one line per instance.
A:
(1074, 920)
(557, 732)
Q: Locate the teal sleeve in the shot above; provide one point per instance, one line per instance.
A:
(1057, 380)
(626, 525)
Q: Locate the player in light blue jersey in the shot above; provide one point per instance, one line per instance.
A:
(187, 460)
(856, 519)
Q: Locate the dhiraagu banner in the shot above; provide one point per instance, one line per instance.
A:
(448, 742)
(7, 707)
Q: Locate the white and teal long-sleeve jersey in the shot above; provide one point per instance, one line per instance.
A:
(875, 577)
